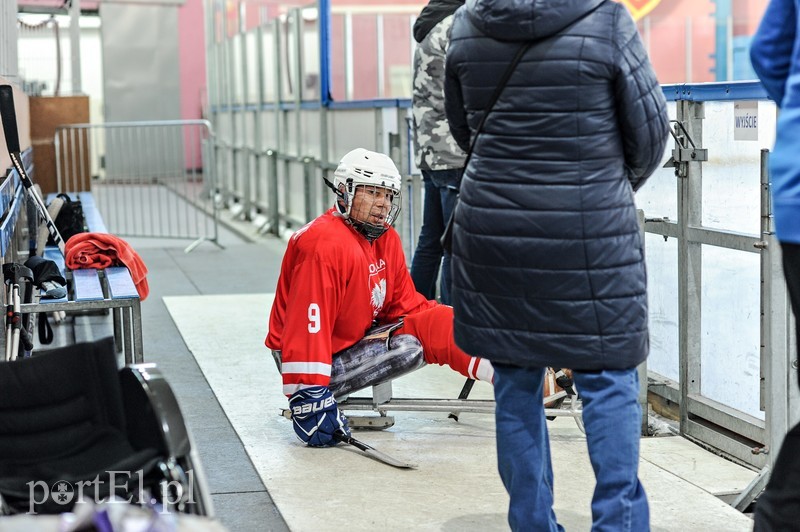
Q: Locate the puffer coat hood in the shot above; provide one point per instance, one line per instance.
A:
(525, 20)
(548, 262)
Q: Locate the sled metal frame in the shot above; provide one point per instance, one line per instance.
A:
(382, 403)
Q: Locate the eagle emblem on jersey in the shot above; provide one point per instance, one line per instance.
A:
(378, 296)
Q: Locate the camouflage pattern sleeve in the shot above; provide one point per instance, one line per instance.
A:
(435, 147)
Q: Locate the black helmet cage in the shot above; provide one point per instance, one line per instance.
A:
(369, 230)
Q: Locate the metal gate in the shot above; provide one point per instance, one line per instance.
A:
(149, 179)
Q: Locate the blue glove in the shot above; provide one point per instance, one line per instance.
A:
(316, 416)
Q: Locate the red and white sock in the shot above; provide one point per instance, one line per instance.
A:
(480, 369)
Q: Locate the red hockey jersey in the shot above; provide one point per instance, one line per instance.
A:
(333, 284)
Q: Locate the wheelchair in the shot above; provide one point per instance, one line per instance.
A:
(75, 427)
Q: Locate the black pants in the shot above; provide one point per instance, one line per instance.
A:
(778, 507)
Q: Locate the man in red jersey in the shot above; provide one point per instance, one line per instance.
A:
(343, 273)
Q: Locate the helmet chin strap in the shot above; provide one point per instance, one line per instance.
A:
(369, 231)
(339, 194)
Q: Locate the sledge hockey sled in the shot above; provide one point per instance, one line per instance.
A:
(381, 356)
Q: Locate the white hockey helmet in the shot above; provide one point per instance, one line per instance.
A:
(362, 167)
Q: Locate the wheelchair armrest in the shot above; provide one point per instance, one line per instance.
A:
(152, 413)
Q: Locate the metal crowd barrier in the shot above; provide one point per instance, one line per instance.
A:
(149, 179)
(722, 343)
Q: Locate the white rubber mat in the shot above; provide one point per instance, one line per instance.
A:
(456, 486)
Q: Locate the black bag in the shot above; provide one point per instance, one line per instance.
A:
(69, 220)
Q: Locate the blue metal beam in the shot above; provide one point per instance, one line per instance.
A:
(717, 92)
(324, 17)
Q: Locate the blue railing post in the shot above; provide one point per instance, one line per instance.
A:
(324, 8)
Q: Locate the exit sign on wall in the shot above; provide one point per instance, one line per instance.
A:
(745, 120)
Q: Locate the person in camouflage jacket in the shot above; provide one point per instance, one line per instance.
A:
(438, 156)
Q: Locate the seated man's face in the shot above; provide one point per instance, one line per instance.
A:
(371, 204)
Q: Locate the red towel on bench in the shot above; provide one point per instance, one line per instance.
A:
(101, 250)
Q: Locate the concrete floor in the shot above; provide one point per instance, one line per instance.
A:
(241, 500)
(455, 486)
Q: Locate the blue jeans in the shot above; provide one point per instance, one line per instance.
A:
(441, 191)
(612, 417)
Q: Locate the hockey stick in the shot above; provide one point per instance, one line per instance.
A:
(370, 451)
(9, 118)
(462, 396)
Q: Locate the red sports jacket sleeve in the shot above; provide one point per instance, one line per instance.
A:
(312, 305)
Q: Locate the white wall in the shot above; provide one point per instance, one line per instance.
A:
(37, 59)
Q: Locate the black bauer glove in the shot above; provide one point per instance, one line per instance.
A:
(316, 416)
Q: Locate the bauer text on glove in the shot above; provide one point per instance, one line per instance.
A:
(316, 416)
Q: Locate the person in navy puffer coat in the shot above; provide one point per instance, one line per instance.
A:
(548, 264)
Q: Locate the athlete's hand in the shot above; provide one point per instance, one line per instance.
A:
(316, 416)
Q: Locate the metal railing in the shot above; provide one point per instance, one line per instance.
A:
(149, 179)
(273, 178)
(271, 137)
(723, 347)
